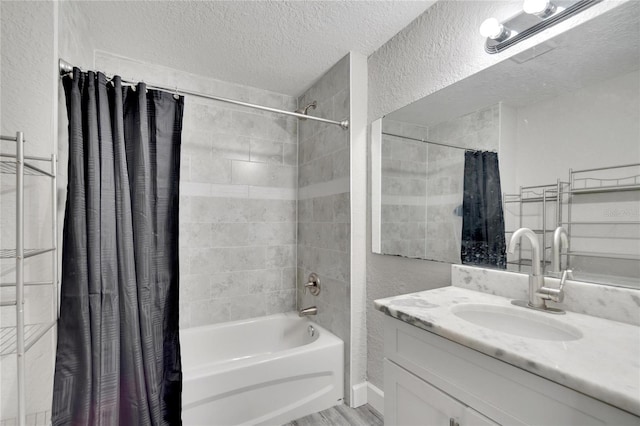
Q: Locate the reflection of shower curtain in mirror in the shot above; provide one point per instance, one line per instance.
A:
(483, 239)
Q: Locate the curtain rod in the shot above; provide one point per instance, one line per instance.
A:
(66, 68)
(432, 143)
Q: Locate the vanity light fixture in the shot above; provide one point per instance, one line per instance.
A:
(493, 29)
(537, 15)
(541, 8)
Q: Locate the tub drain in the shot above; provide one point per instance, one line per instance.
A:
(311, 331)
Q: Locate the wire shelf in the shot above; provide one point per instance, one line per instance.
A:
(10, 168)
(622, 256)
(603, 222)
(536, 231)
(21, 165)
(598, 189)
(39, 418)
(527, 262)
(606, 179)
(32, 333)
(26, 284)
(12, 254)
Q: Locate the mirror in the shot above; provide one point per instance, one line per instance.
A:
(563, 121)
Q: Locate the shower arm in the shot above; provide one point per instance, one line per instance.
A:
(66, 68)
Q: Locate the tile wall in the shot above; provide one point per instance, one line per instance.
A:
(238, 198)
(324, 210)
(404, 190)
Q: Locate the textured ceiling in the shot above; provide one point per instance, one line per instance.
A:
(600, 49)
(283, 46)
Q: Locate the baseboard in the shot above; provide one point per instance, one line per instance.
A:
(358, 395)
(375, 398)
(367, 393)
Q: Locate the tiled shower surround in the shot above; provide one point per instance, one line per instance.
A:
(238, 198)
(324, 209)
(258, 213)
(250, 224)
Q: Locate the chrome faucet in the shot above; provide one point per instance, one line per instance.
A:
(536, 280)
(560, 239)
(308, 311)
(538, 293)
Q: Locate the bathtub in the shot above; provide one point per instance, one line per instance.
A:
(262, 371)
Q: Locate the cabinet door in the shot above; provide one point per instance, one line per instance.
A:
(410, 401)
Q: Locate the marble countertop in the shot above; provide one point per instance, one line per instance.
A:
(604, 363)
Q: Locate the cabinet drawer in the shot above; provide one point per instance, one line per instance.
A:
(496, 389)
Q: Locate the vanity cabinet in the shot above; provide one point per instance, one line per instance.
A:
(430, 380)
(410, 400)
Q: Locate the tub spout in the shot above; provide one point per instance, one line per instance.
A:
(308, 311)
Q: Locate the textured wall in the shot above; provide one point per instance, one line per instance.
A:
(238, 198)
(324, 206)
(283, 46)
(27, 104)
(440, 47)
(443, 46)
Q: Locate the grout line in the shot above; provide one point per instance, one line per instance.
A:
(297, 209)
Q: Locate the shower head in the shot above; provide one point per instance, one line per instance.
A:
(305, 110)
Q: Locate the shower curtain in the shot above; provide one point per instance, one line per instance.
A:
(118, 353)
(483, 235)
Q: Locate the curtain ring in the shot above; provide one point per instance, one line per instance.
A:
(176, 96)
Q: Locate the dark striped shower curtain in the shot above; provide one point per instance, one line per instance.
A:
(483, 233)
(118, 353)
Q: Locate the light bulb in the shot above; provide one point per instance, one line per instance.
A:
(541, 8)
(493, 29)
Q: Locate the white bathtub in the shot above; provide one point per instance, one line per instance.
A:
(262, 371)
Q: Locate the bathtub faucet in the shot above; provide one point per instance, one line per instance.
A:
(308, 311)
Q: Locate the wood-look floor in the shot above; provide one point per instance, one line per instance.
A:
(341, 415)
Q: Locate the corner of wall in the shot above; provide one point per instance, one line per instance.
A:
(358, 183)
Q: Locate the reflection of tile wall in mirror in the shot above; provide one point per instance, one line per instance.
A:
(403, 187)
(422, 183)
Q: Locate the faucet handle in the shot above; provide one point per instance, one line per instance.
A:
(313, 284)
(556, 294)
(567, 274)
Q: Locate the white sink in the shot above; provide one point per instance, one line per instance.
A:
(517, 321)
